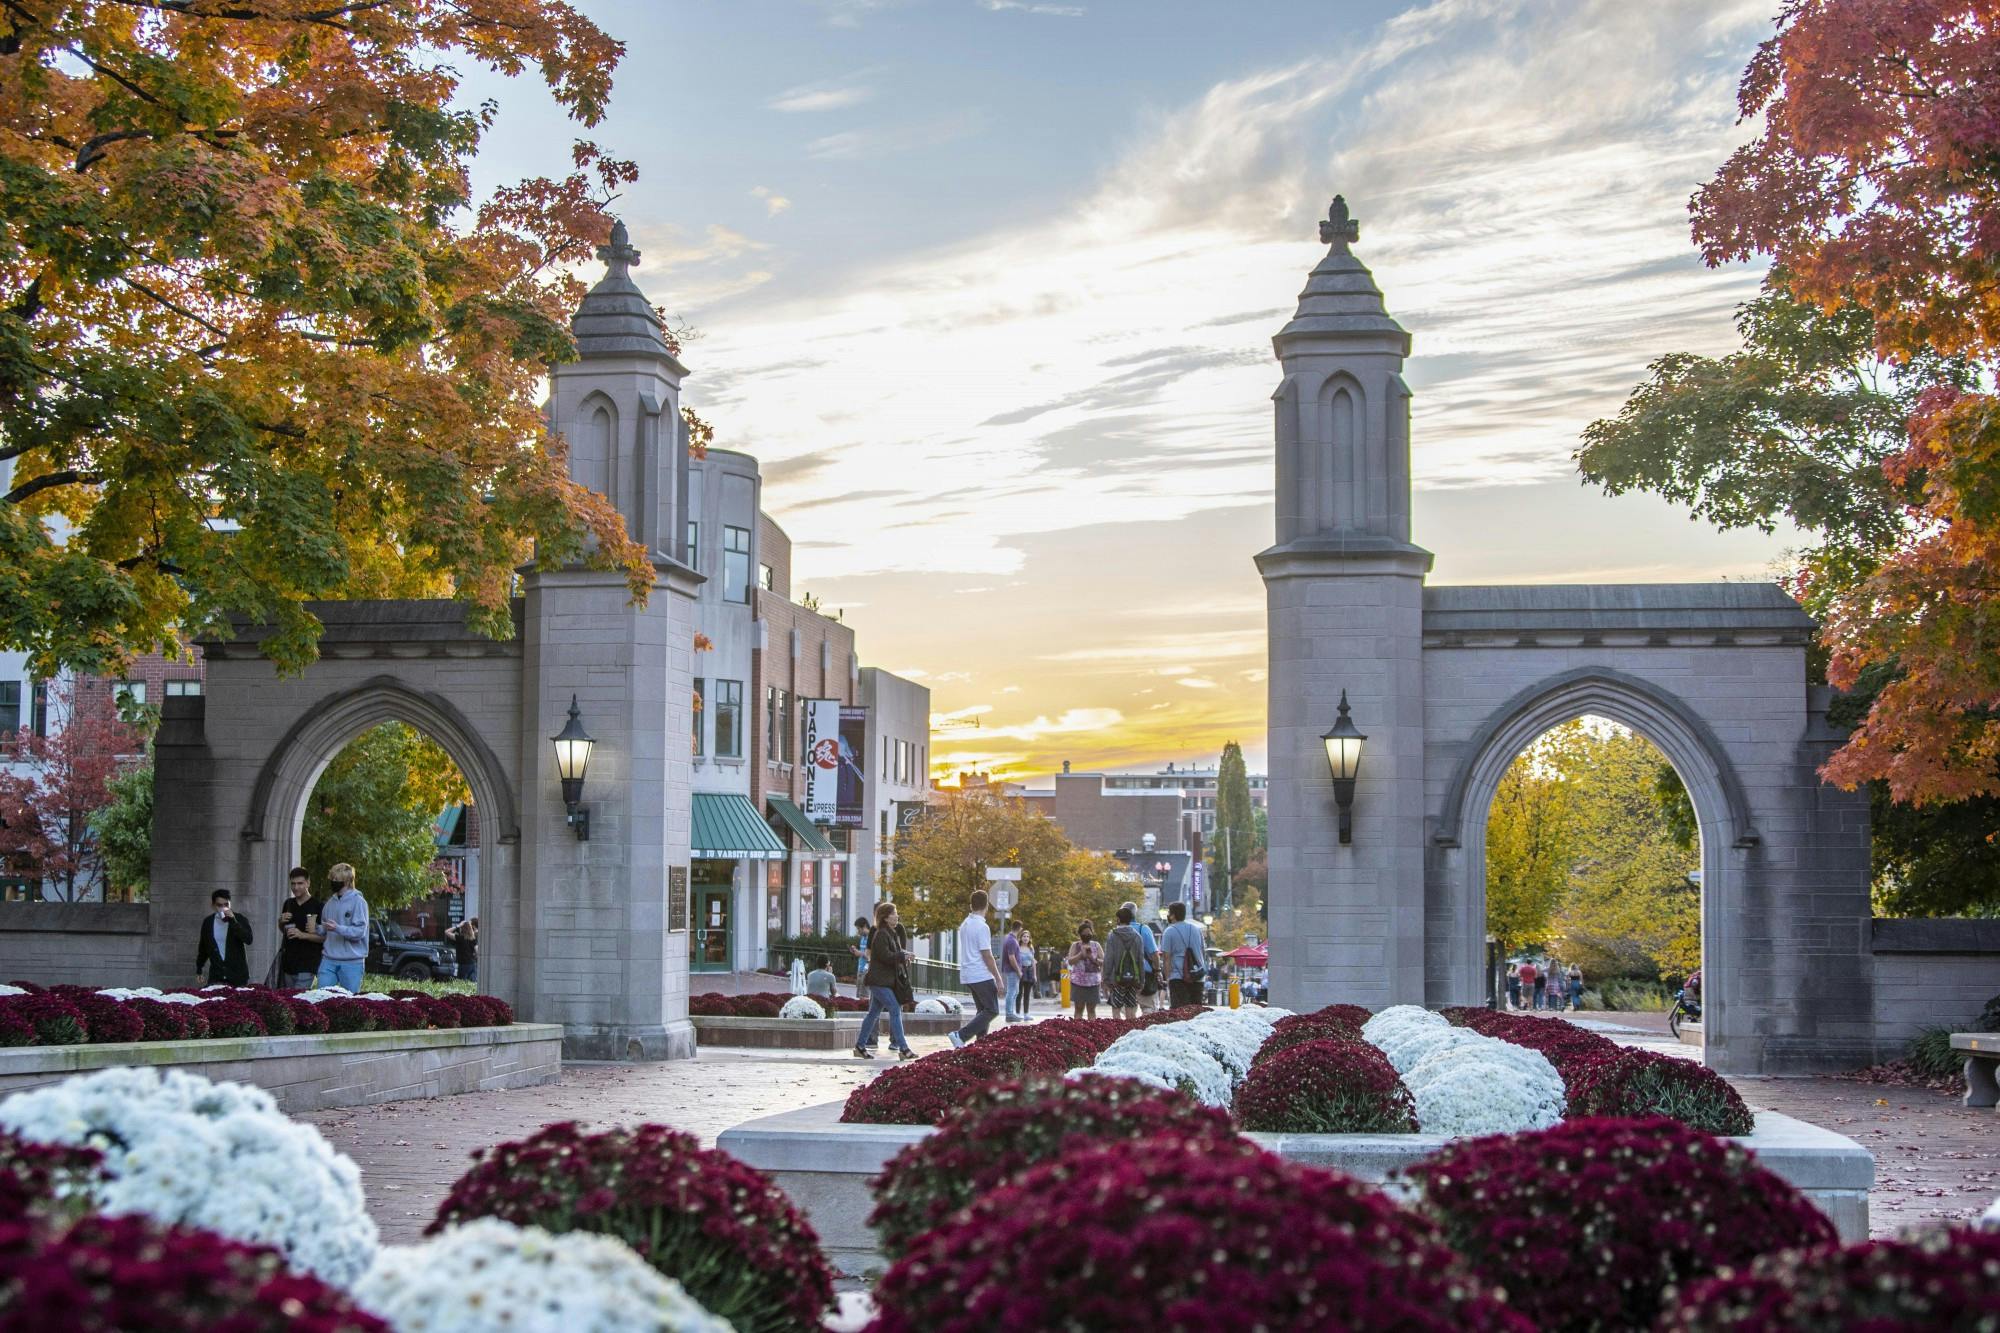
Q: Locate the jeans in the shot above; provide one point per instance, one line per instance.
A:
(1013, 994)
(882, 1000)
(346, 974)
(299, 980)
(470, 972)
(986, 1008)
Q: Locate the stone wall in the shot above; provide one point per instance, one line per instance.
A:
(1935, 973)
(78, 944)
(324, 1072)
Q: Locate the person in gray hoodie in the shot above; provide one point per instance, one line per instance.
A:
(344, 926)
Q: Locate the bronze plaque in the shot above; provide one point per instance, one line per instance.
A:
(677, 898)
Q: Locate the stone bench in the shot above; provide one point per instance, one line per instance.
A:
(1982, 1054)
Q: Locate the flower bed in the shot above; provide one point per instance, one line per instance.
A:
(720, 1229)
(1942, 1279)
(1179, 1236)
(73, 1015)
(1326, 1087)
(1586, 1226)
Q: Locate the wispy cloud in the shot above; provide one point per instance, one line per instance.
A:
(1024, 7)
(774, 203)
(831, 95)
(884, 140)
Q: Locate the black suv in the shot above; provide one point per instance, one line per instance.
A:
(393, 952)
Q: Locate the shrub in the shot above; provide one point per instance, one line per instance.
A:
(351, 1015)
(107, 1019)
(1300, 1029)
(1634, 1084)
(54, 1020)
(188, 1152)
(306, 1016)
(400, 1015)
(1931, 1055)
(1159, 1016)
(1179, 1236)
(271, 1008)
(160, 1022)
(1326, 1087)
(131, 1273)
(1989, 1017)
(43, 1179)
(578, 1283)
(232, 1018)
(719, 1228)
(709, 1004)
(1004, 1129)
(1587, 1225)
(16, 1028)
(1941, 1279)
(1353, 1015)
(920, 1092)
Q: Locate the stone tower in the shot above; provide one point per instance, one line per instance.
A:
(604, 957)
(1344, 591)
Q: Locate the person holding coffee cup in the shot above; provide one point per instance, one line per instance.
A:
(298, 924)
(223, 946)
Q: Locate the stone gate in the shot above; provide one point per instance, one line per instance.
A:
(1450, 683)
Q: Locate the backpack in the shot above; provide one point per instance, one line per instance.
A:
(1128, 970)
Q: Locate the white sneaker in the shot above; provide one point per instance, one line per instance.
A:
(956, 1040)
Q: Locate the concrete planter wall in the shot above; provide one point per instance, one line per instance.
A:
(825, 1166)
(323, 1072)
(810, 1034)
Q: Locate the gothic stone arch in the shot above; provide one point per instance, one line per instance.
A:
(1715, 676)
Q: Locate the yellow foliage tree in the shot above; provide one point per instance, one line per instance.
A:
(1528, 841)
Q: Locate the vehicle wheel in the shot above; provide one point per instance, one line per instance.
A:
(413, 970)
(1674, 1020)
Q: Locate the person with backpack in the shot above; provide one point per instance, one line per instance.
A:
(1182, 952)
(1124, 965)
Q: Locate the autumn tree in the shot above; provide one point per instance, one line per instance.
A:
(943, 858)
(375, 807)
(1529, 837)
(1874, 183)
(255, 348)
(53, 784)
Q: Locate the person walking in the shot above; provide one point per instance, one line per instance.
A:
(1513, 984)
(464, 939)
(1541, 984)
(886, 967)
(1182, 950)
(977, 969)
(860, 951)
(1149, 953)
(1086, 970)
(1029, 972)
(1529, 976)
(1124, 965)
(1010, 969)
(298, 928)
(344, 929)
(223, 944)
(1575, 985)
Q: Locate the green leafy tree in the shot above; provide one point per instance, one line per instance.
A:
(375, 808)
(1234, 837)
(1529, 839)
(943, 859)
(124, 830)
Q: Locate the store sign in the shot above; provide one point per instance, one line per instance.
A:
(908, 814)
(822, 756)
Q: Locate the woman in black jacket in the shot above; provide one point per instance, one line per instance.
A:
(886, 962)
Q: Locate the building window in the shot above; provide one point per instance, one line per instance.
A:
(785, 727)
(764, 577)
(700, 714)
(694, 544)
(39, 721)
(10, 708)
(885, 825)
(729, 719)
(129, 693)
(181, 689)
(735, 564)
(771, 724)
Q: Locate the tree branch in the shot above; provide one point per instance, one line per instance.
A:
(48, 481)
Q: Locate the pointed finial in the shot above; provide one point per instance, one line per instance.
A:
(1342, 713)
(618, 255)
(1339, 230)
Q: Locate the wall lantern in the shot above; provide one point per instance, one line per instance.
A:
(573, 745)
(1343, 757)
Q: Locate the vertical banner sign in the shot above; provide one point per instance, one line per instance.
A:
(850, 801)
(1195, 887)
(822, 760)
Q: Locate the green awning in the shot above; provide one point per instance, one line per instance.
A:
(726, 825)
(801, 827)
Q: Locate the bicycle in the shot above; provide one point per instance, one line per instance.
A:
(1685, 1006)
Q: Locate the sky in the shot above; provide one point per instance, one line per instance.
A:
(988, 287)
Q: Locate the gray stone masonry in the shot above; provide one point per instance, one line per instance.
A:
(324, 1071)
(73, 944)
(1931, 973)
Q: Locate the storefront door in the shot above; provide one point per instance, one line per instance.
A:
(710, 944)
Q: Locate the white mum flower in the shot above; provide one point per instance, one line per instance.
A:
(1154, 1050)
(939, 1004)
(801, 1006)
(185, 1151)
(1401, 1015)
(11, 990)
(490, 1275)
(1406, 1047)
(1461, 1090)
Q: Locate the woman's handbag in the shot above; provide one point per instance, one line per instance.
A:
(905, 994)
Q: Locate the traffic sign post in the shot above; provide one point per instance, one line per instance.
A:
(1003, 889)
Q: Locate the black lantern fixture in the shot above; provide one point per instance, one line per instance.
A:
(573, 745)
(1343, 757)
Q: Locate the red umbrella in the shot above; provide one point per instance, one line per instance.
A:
(1250, 955)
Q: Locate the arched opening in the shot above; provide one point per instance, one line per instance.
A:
(348, 748)
(1725, 835)
(1593, 878)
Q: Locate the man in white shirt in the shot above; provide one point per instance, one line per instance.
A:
(977, 970)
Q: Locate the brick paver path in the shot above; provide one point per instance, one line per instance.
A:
(1935, 1160)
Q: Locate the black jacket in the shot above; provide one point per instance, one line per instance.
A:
(886, 958)
(232, 966)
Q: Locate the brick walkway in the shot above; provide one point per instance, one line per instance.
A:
(1935, 1160)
